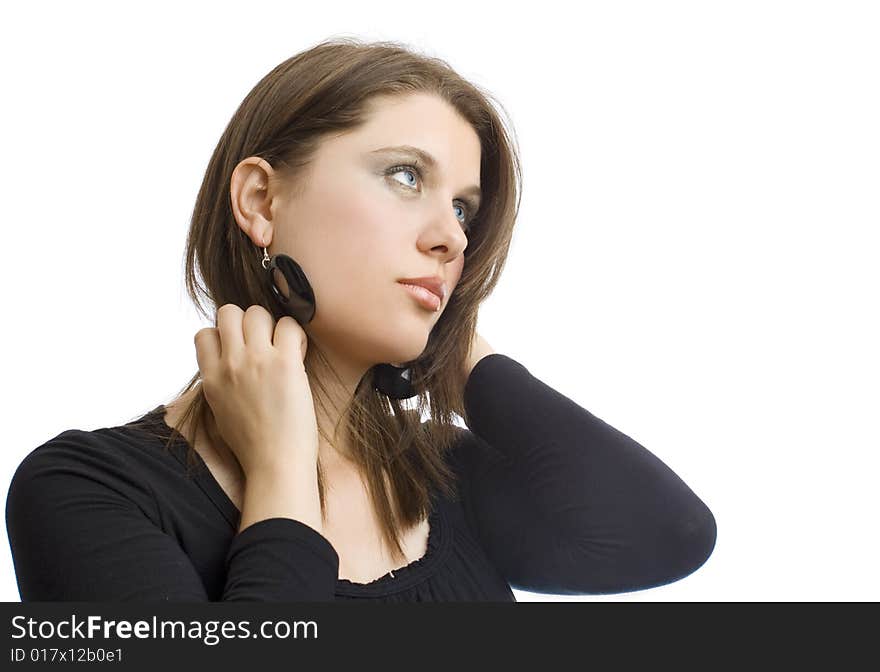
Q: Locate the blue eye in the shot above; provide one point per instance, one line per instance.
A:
(402, 169)
(412, 169)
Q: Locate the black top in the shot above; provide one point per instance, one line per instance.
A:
(551, 500)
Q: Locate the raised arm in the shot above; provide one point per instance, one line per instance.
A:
(563, 502)
(75, 536)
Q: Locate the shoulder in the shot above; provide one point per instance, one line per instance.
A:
(111, 462)
(78, 449)
(467, 448)
(70, 449)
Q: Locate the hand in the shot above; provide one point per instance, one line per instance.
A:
(479, 348)
(255, 382)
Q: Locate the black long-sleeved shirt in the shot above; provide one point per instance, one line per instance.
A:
(551, 500)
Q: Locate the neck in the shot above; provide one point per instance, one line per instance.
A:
(331, 396)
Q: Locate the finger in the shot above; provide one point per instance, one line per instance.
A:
(229, 323)
(207, 342)
(258, 326)
(289, 336)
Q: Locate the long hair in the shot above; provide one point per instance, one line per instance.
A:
(320, 91)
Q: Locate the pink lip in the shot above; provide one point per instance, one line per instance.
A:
(426, 299)
(433, 284)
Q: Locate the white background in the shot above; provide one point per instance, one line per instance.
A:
(695, 261)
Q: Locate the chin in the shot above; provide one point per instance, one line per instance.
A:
(400, 358)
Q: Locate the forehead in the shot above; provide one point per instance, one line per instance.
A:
(424, 121)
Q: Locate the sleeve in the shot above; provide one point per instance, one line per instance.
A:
(75, 536)
(564, 503)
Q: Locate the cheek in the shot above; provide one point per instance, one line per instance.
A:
(354, 255)
(354, 228)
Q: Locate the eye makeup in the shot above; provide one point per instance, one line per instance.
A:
(426, 163)
(418, 168)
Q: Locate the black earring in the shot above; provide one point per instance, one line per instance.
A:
(300, 304)
(392, 381)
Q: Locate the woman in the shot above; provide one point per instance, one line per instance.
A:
(295, 464)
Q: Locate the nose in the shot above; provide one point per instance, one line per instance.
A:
(454, 235)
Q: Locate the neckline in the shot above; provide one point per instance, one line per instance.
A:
(392, 582)
(203, 476)
(412, 573)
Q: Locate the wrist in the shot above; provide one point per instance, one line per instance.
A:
(287, 470)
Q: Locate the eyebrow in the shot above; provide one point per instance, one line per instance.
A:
(428, 160)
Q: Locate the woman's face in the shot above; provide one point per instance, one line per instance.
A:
(356, 229)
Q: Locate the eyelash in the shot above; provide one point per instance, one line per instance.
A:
(416, 168)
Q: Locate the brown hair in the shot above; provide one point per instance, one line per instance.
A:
(324, 90)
